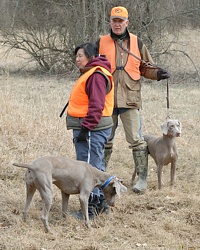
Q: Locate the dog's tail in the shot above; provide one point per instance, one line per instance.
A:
(23, 165)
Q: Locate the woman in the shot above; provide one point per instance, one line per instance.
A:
(89, 114)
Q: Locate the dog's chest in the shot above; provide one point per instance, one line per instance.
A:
(171, 154)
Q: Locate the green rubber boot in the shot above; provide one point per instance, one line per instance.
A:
(107, 155)
(140, 157)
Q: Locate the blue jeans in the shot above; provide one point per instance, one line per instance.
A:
(92, 151)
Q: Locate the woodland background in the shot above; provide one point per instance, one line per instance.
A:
(49, 30)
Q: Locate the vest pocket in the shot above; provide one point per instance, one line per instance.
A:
(133, 94)
(134, 99)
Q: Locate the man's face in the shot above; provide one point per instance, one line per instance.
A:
(118, 25)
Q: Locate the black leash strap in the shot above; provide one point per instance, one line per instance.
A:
(167, 95)
(62, 112)
(152, 66)
(130, 53)
(168, 115)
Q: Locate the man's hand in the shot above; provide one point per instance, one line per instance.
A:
(162, 74)
(83, 135)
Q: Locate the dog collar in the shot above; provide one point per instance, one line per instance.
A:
(168, 135)
(107, 182)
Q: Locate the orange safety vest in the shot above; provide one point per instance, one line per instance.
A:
(107, 48)
(79, 102)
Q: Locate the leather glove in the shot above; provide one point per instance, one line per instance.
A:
(83, 135)
(162, 74)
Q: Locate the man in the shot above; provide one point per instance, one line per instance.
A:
(129, 60)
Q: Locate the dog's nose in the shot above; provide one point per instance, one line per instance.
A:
(178, 134)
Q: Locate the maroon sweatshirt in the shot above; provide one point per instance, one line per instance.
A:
(96, 91)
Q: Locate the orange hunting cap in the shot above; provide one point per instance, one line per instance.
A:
(119, 12)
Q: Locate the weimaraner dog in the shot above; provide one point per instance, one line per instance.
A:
(163, 149)
(71, 177)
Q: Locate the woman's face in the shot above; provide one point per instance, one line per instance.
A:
(81, 59)
(118, 25)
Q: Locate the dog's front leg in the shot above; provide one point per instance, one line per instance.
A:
(65, 199)
(173, 168)
(159, 174)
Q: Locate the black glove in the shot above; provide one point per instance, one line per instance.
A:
(162, 74)
(83, 135)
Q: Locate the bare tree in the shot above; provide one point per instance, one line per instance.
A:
(49, 30)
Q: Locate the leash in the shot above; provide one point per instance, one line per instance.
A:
(148, 65)
(167, 97)
(152, 66)
(62, 112)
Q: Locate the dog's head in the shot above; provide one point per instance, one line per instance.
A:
(171, 128)
(114, 187)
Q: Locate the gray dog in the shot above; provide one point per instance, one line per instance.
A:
(163, 149)
(71, 177)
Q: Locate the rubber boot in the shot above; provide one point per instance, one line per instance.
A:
(141, 164)
(93, 204)
(103, 207)
(93, 208)
(107, 155)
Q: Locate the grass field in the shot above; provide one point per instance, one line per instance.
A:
(30, 127)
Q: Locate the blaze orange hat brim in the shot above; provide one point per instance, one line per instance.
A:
(119, 12)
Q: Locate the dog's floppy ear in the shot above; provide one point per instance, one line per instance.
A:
(164, 128)
(119, 187)
(180, 124)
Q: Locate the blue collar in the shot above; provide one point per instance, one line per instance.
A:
(107, 181)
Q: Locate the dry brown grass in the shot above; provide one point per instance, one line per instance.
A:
(30, 127)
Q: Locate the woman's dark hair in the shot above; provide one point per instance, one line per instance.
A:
(90, 49)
